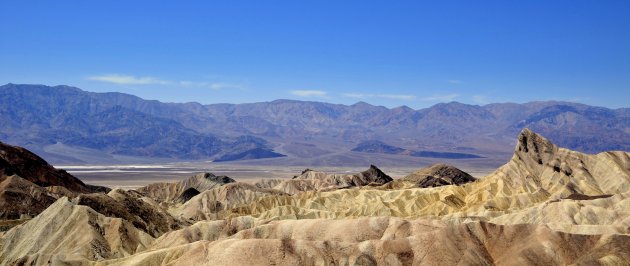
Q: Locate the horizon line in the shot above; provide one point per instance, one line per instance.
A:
(323, 102)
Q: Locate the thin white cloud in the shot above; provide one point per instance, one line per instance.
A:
(188, 83)
(309, 93)
(219, 85)
(480, 99)
(128, 80)
(404, 97)
(134, 80)
(210, 85)
(441, 97)
(454, 81)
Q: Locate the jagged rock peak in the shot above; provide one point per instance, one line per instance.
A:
(439, 175)
(303, 172)
(528, 140)
(447, 170)
(215, 178)
(376, 169)
(534, 146)
(167, 192)
(306, 170)
(374, 174)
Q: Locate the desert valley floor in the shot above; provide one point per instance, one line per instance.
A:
(136, 176)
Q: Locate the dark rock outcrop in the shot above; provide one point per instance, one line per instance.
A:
(20, 161)
(439, 175)
(187, 195)
(169, 192)
(129, 206)
(311, 180)
(373, 175)
(20, 198)
(433, 176)
(28, 184)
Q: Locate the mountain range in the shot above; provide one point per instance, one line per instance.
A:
(66, 124)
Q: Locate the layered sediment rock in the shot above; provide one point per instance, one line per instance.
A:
(169, 192)
(546, 206)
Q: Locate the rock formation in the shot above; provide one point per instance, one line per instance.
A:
(168, 192)
(143, 213)
(67, 232)
(28, 184)
(546, 206)
(433, 176)
(311, 180)
(21, 162)
(20, 198)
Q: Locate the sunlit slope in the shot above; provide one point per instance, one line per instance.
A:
(546, 206)
(168, 192)
(538, 172)
(69, 232)
(384, 241)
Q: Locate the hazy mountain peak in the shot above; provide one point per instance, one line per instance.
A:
(454, 104)
(403, 108)
(362, 103)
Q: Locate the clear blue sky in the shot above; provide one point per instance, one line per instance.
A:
(381, 52)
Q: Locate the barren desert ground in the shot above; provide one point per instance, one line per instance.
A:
(135, 176)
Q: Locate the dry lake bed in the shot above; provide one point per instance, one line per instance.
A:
(137, 175)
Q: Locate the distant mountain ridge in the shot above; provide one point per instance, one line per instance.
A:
(38, 117)
(111, 122)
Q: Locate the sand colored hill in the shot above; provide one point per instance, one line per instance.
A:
(268, 182)
(70, 233)
(311, 180)
(169, 192)
(21, 198)
(606, 215)
(433, 176)
(144, 213)
(538, 172)
(215, 203)
(546, 206)
(387, 241)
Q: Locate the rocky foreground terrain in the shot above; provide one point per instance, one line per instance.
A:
(546, 206)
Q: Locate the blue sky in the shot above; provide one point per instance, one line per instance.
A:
(388, 53)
